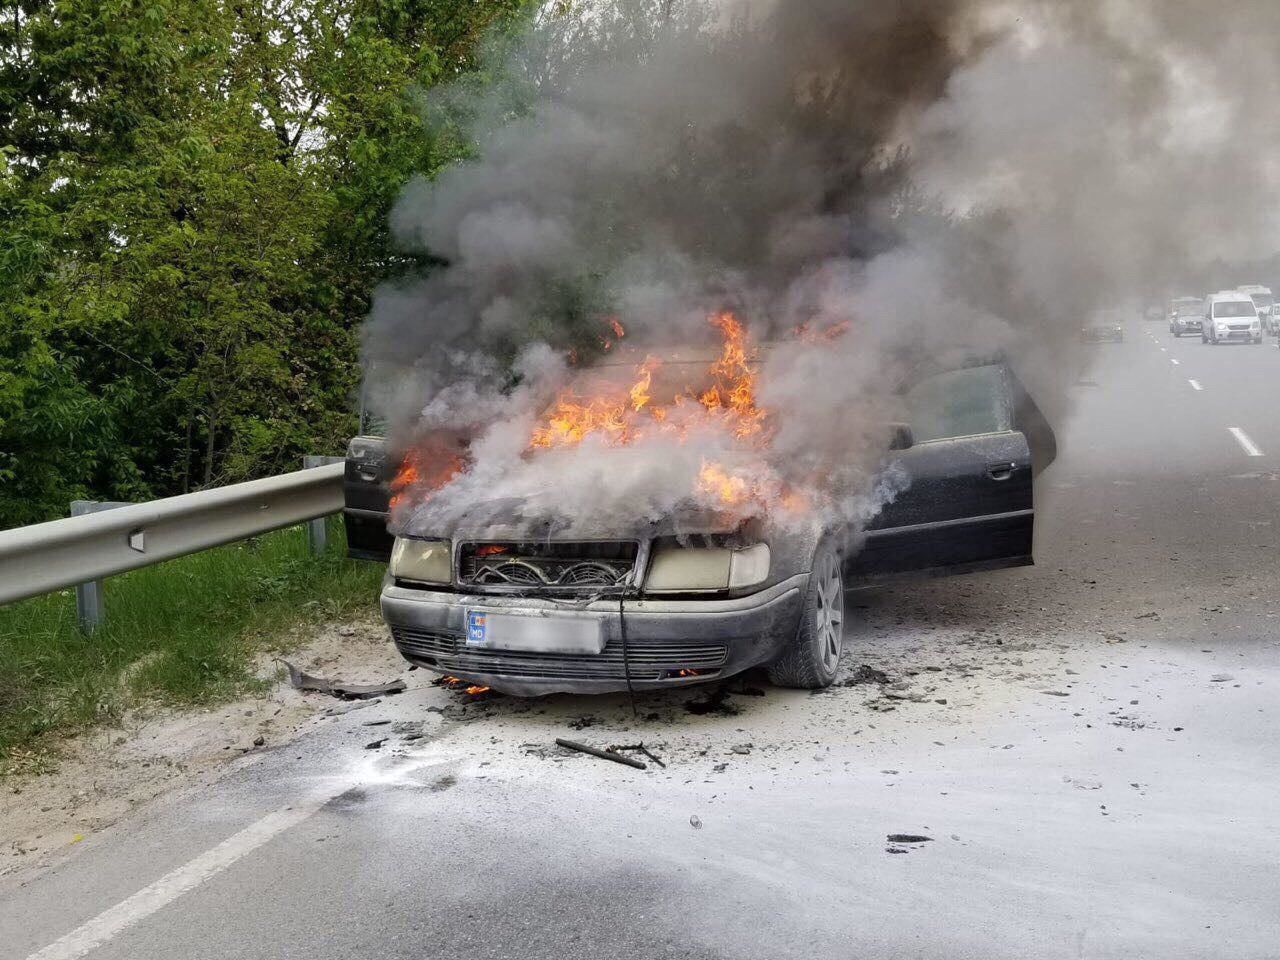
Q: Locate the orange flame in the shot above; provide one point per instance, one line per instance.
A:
(457, 683)
(618, 415)
(728, 489)
(425, 469)
(621, 417)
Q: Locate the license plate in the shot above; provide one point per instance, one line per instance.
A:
(532, 633)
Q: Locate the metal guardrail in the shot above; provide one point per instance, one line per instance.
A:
(52, 556)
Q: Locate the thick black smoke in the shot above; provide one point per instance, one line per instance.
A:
(933, 177)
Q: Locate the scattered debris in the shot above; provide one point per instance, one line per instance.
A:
(745, 691)
(742, 748)
(375, 723)
(337, 688)
(259, 740)
(1221, 678)
(1082, 784)
(695, 822)
(1055, 693)
(376, 744)
(716, 702)
(908, 838)
(895, 850)
(637, 748)
(602, 754)
(581, 723)
(865, 674)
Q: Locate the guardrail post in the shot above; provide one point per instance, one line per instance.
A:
(317, 537)
(90, 605)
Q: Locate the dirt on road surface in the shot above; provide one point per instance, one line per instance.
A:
(100, 776)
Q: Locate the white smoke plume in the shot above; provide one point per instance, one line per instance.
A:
(903, 182)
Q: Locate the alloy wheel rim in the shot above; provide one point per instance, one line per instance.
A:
(830, 612)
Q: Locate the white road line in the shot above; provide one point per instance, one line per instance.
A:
(1248, 445)
(1195, 384)
(174, 884)
(1163, 350)
(1176, 363)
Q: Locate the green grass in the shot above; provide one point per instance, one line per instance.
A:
(179, 633)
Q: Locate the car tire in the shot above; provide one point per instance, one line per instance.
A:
(812, 659)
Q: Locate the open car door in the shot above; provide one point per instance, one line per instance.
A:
(970, 465)
(366, 499)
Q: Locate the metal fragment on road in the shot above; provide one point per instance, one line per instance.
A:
(337, 688)
(602, 754)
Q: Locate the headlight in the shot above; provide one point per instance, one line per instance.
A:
(422, 561)
(676, 569)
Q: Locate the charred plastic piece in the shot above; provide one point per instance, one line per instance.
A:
(336, 688)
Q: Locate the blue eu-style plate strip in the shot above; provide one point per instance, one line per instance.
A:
(475, 628)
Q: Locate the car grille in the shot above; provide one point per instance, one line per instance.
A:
(553, 566)
(1238, 327)
(646, 660)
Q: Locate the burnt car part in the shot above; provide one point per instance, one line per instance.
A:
(552, 565)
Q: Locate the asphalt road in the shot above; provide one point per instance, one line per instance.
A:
(1090, 744)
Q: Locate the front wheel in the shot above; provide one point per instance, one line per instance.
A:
(812, 659)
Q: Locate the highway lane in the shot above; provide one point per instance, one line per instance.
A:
(1089, 743)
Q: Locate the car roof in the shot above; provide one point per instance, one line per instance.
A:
(1230, 295)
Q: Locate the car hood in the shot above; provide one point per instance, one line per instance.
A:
(529, 519)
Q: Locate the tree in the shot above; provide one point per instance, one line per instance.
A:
(194, 203)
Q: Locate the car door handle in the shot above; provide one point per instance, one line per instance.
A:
(1002, 470)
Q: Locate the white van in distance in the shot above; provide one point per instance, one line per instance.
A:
(1230, 315)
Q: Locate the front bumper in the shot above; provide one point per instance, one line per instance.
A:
(716, 638)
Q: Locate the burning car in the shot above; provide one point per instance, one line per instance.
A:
(697, 594)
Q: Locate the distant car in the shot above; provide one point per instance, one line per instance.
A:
(1102, 331)
(1185, 315)
(1230, 316)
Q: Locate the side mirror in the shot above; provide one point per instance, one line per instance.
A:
(903, 438)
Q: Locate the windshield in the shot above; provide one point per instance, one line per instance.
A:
(1263, 300)
(1235, 308)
